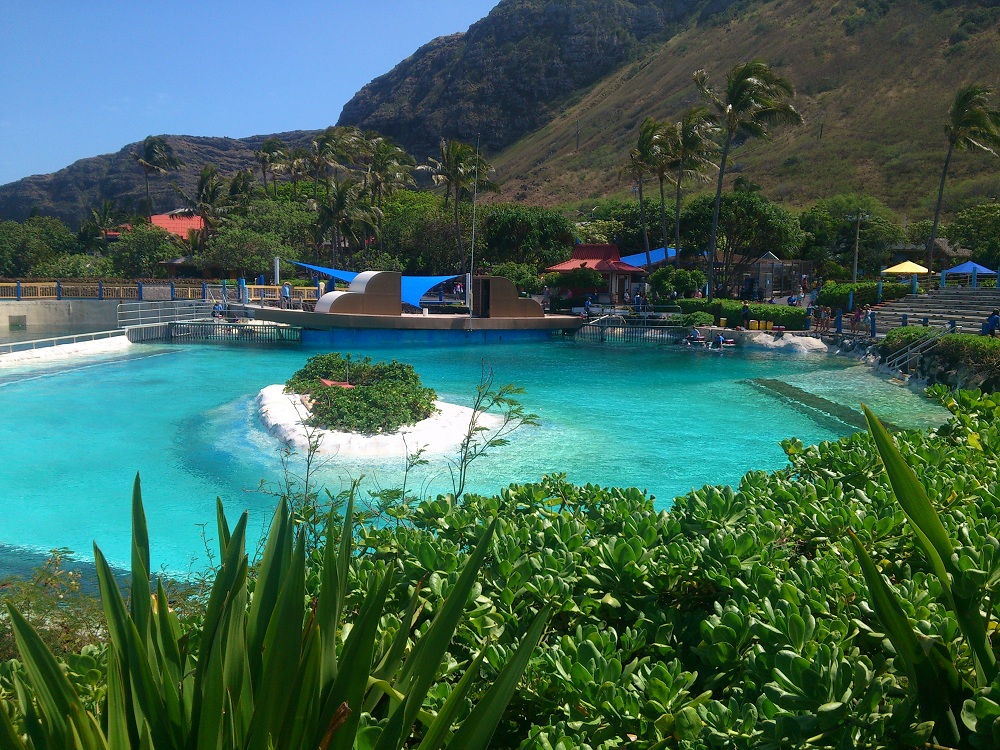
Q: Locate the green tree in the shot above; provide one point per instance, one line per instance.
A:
(29, 246)
(536, 236)
(270, 154)
(75, 266)
(524, 275)
(748, 225)
(419, 228)
(389, 169)
(244, 252)
(754, 99)
(977, 228)
(139, 251)
(971, 125)
(157, 157)
(683, 154)
(641, 159)
(462, 171)
(106, 218)
(829, 229)
(210, 201)
(347, 215)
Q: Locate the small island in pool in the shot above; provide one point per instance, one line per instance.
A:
(353, 406)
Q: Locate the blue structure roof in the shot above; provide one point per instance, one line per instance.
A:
(968, 267)
(412, 288)
(658, 255)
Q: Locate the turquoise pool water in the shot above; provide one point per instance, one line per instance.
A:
(667, 419)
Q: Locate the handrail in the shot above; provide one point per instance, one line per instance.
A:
(917, 347)
(23, 346)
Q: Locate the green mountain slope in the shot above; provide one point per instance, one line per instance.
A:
(874, 88)
(507, 75)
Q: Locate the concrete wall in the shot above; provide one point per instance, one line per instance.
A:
(66, 312)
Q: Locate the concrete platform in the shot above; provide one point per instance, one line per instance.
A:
(333, 329)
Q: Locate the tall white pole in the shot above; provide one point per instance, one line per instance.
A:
(472, 261)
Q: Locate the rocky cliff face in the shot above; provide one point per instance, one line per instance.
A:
(512, 71)
(72, 192)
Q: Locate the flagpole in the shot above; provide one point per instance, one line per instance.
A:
(472, 261)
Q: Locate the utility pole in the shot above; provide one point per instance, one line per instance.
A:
(857, 237)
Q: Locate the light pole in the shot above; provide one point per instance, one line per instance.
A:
(857, 237)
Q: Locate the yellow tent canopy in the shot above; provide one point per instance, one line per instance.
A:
(907, 267)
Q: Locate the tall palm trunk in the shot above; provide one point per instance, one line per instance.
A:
(663, 214)
(677, 212)
(642, 218)
(712, 240)
(149, 201)
(937, 209)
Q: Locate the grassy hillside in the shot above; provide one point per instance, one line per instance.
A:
(874, 91)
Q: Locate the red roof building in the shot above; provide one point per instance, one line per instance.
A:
(602, 258)
(178, 222)
(606, 260)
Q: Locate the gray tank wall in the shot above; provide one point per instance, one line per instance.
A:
(65, 312)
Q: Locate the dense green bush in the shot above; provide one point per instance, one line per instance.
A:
(792, 318)
(834, 294)
(385, 396)
(900, 337)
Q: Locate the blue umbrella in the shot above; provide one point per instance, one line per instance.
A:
(970, 267)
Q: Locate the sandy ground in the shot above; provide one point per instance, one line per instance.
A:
(66, 351)
(282, 415)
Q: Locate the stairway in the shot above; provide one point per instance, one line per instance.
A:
(969, 308)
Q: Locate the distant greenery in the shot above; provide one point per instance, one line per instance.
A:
(792, 318)
(834, 294)
(385, 396)
(978, 229)
(524, 275)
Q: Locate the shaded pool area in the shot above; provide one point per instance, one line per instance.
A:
(663, 419)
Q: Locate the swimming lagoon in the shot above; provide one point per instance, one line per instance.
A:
(667, 419)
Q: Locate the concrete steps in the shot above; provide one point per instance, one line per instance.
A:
(968, 308)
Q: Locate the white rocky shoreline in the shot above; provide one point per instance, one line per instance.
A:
(283, 415)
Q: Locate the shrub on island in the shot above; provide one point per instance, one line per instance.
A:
(383, 396)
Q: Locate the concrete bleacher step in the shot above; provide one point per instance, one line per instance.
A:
(967, 308)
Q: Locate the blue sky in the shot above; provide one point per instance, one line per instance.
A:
(79, 79)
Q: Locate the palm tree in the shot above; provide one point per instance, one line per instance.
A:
(683, 153)
(209, 201)
(971, 125)
(640, 163)
(295, 164)
(461, 169)
(269, 154)
(389, 169)
(753, 99)
(106, 219)
(157, 157)
(347, 215)
(345, 144)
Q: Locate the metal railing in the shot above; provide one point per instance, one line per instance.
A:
(150, 313)
(908, 354)
(76, 338)
(613, 328)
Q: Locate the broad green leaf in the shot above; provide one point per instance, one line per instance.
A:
(56, 696)
(223, 526)
(270, 577)
(333, 589)
(9, 738)
(478, 727)
(421, 667)
(140, 606)
(356, 663)
(440, 728)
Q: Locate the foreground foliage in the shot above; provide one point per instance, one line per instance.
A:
(742, 618)
(269, 665)
(384, 397)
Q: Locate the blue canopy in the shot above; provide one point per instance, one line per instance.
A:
(658, 255)
(412, 288)
(347, 276)
(969, 267)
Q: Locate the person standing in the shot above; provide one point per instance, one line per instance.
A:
(745, 315)
(286, 296)
(993, 324)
